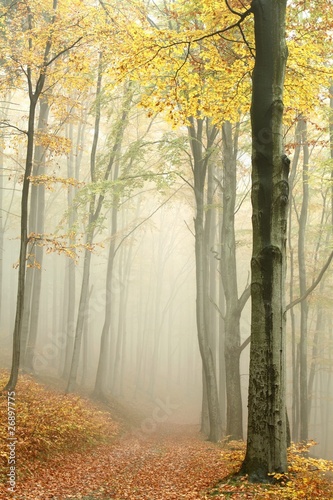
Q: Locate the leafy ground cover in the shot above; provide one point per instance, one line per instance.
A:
(68, 448)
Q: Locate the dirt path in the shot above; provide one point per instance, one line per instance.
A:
(172, 463)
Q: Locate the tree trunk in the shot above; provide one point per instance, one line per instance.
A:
(37, 215)
(93, 216)
(120, 126)
(73, 168)
(100, 383)
(11, 384)
(232, 350)
(200, 162)
(304, 425)
(294, 348)
(267, 427)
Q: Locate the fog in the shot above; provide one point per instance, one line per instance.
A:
(147, 219)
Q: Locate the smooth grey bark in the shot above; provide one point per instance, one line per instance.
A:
(36, 225)
(35, 84)
(120, 126)
(210, 276)
(34, 95)
(304, 425)
(2, 228)
(120, 353)
(267, 424)
(320, 313)
(232, 339)
(331, 146)
(70, 269)
(222, 370)
(73, 169)
(319, 329)
(101, 382)
(200, 165)
(3, 223)
(93, 216)
(294, 348)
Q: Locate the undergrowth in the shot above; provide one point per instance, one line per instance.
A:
(47, 423)
(307, 478)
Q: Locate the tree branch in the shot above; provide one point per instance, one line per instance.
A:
(313, 286)
(300, 299)
(245, 344)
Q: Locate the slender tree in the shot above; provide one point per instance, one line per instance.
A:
(233, 303)
(35, 76)
(200, 164)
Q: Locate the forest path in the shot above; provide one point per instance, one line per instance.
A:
(170, 463)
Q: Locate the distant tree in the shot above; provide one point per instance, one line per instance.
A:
(201, 156)
(35, 252)
(234, 303)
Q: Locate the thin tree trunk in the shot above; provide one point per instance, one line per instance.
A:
(101, 383)
(294, 356)
(304, 426)
(200, 163)
(232, 350)
(38, 213)
(23, 245)
(93, 216)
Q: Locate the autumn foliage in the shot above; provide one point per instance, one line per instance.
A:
(49, 423)
(68, 448)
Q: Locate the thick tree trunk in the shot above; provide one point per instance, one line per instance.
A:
(267, 427)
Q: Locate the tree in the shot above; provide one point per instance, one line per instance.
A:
(267, 426)
(233, 303)
(120, 126)
(32, 57)
(200, 166)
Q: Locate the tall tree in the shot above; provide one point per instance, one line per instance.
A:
(95, 209)
(36, 225)
(303, 345)
(233, 303)
(33, 64)
(267, 427)
(200, 165)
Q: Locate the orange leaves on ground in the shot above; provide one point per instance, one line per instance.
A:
(48, 423)
(61, 456)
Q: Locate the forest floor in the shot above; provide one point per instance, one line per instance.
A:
(70, 448)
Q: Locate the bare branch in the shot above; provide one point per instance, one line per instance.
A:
(313, 286)
(245, 344)
(145, 220)
(4, 124)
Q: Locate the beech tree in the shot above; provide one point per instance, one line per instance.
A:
(33, 42)
(267, 424)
